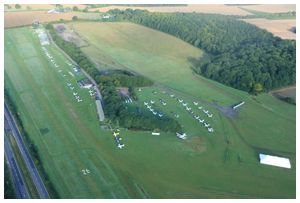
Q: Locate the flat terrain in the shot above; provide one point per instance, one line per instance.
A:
(280, 28)
(201, 8)
(223, 164)
(21, 18)
(286, 92)
(41, 7)
(272, 8)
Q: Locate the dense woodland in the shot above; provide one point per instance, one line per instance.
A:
(114, 107)
(239, 54)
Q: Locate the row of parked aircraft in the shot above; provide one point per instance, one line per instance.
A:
(118, 139)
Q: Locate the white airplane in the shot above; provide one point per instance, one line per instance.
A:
(196, 117)
(152, 102)
(146, 103)
(188, 108)
(148, 107)
(164, 103)
(206, 125)
(87, 170)
(200, 107)
(201, 121)
(209, 115)
(160, 115)
(172, 95)
(154, 113)
(210, 130)
(77, 97)
(69, 84)
(205, 111)
(79, 100)
(116, 133)
(184, 104)
(71, 88)
(83, 171)
(195, 103)
(75, 93)
(120, 146)
(180, 100)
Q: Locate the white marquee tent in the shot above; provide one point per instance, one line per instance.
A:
(274, 161)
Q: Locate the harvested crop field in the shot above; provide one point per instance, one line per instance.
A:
(272, 8)
(15, 19)
(286, 92)
(42, 6)
(280, 28)
(200, 8)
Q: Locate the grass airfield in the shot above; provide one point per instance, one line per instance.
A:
(222, 164)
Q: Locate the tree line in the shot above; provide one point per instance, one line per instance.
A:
(239, 54)
(114, 107)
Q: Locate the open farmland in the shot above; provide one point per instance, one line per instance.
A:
(280, 28)
(222, 164)
(272, 8)
(286, 92)
(201, 8)
(15, 19)
(40, 7)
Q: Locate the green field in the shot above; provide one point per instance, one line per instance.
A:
(223, 164)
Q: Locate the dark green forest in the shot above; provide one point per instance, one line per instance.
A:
(239, 54)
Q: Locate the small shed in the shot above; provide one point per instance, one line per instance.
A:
(274, 161)
(155, 133)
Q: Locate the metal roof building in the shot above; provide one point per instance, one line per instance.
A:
(274, 161)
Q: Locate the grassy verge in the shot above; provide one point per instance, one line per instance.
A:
(24, 170)
(9, 191)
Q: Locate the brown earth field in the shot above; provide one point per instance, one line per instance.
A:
(285, 92)
(280, 28)
(15, 19)
(201, 8)
(43, 6)
(272, 8)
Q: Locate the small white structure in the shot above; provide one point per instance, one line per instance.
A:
(274, 161)
(195, 103)
(238, 105)
(154, 133)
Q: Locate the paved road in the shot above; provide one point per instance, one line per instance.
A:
(17, 177)
(26, 156)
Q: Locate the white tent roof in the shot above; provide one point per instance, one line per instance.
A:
(274, 161)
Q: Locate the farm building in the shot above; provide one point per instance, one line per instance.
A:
(100, 110)
(85, 83)
(274, 161)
